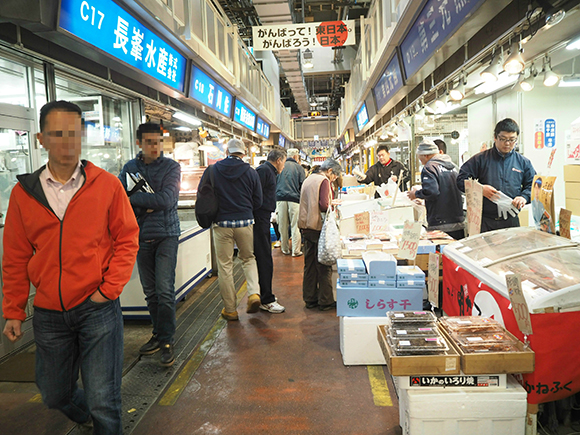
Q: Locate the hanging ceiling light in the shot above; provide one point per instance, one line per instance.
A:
(458, 93)
(491, 73)
(528, 83)
(514, 64)
(419, 111)
(550, 77)
(574, 44)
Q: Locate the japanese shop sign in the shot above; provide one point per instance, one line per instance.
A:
(455, 381)
(538, 134)
(436, 22)
(550, 133)
(205, 90)
(362, 117)
(263, 128)
(390, 82)
(376, 301)
(433, 279)
(244, 116)
(305, 35)
(409, 241)
(107, 26)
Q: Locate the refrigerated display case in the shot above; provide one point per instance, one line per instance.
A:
(474, 271)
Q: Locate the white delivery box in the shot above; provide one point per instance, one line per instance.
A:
(358, 340)
(464, 411)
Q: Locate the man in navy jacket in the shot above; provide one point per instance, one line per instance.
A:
(267, 172)
(152, 183)
(500, 169)
(239, 193)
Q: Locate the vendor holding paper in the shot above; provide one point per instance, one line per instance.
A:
(439, 190)
(385, 169)
(506, 176)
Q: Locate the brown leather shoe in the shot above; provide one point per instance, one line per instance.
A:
(230, 316)
(254, 303)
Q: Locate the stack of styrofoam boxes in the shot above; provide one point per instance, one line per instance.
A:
(412, 279)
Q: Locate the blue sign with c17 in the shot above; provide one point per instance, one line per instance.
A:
(110, 28)
(205, 90)
(436, 22)
(263, 128)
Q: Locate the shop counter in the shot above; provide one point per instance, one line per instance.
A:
(194, 263)
(474, 272)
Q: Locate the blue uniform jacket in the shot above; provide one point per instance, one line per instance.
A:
(512, 174)
(164, 177)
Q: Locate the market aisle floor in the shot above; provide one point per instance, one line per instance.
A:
(277, 374)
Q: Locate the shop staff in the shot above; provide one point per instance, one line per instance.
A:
(71, 233)
(500, 169)
(156, 211)
(384, 169)
(439, 190)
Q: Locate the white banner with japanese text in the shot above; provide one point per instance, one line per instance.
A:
(305, 35)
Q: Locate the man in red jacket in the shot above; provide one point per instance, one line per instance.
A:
(71, 232)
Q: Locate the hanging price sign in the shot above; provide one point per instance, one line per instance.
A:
(519, 304)
(433, 279)
(410, 241)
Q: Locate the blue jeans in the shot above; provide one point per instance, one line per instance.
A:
(90, 338)
(156, 261)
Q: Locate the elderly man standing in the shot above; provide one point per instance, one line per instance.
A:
(288, 202)
(262, 240)
(315, 199)
(239, 193)
(71, 233)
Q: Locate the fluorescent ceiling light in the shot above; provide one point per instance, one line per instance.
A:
(574, 44)
(187, 118)
(181, 128)
(569, 82)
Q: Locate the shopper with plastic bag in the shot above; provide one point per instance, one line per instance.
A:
(315, 201)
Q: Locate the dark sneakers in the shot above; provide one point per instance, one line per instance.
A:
(167, 356)
(327, 307)
(150, 347)
(311, 305)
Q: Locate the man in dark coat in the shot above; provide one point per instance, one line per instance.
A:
(384, 169)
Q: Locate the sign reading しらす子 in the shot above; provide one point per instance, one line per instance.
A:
(304, 35)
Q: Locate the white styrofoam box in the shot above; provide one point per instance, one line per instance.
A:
(354, 283)
(426, 247)
(383, 283)
(411, 283)
(358, 340)
(381, 277)
(434, 382)
(350, 265)
(349, 208)
(349, 276)
(464, 411)
(410, 272)
(380, 263)
(373, 302)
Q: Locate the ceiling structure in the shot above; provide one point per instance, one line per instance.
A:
(301, 90)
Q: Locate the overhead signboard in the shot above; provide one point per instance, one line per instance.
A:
(436, 22)
(390, 82)
(281, 141)
(262, 128)
(110, 28)
(205, 90)
(362, 117)
(305, 35)
(244, 116)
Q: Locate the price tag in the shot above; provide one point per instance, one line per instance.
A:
(474, 200)
(410, 240)
(519, 304)
(379, 221)
(433, 279)
(362, 222)
(565, 217)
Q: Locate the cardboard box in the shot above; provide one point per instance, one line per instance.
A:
(572, 189)
(573, 205)
(495, 362)
(418, 364)
(410, 272)
(572, 173)
(375, 302)
(358, 344)
(349, 180)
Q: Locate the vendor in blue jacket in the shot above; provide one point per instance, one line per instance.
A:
(152, 183)
(500, 168)
(443, 200)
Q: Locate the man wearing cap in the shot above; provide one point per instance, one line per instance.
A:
(500, 169)
(288, 202)
(439, 190)
(239, 193)
(384, 169)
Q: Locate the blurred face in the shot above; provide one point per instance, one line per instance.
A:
(424, 159)
(279, 164)
(151, 144)
(505, 142)
(384, 157)
(331, 176)
(62, 137)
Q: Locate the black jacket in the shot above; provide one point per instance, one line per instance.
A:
(290, 181)
(380, 174)
(238, 189)
(443, 199)
(512, 174)
(267, 173)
